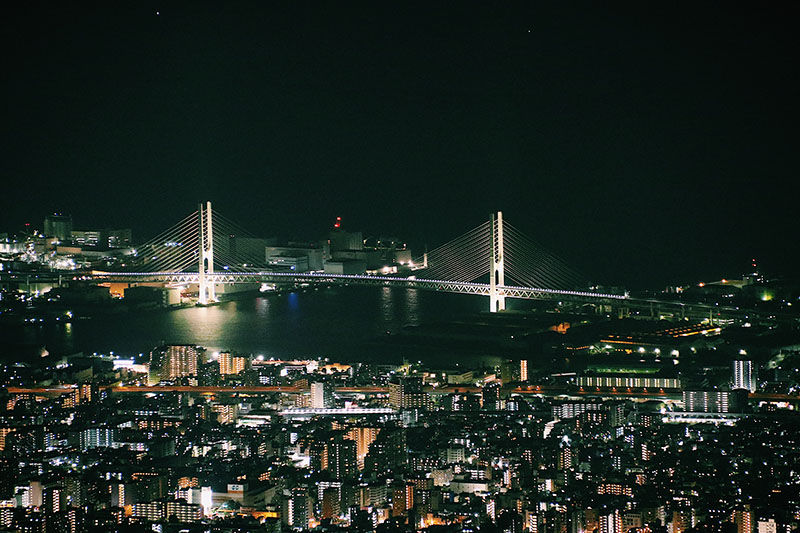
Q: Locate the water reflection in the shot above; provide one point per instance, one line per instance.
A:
(68, 333)
(294, 301)
(411, 307)
(344, 322)
(262, 307)
(387, 306)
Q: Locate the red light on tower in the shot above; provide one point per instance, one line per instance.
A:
(338, 223)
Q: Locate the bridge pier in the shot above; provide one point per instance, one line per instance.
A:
(497, 275)
(206, 291)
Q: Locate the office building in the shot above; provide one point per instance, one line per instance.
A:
(58, 226)
(297, 258)
(119, 238)
(341, 240)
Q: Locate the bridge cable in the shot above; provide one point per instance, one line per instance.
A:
(528, 262)
(158, 255)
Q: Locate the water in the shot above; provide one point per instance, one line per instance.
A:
(344, 323)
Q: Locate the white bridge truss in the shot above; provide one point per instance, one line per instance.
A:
(460, 287)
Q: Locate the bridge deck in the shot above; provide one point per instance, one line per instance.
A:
(355, 279)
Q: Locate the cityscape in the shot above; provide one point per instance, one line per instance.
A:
(265, 332)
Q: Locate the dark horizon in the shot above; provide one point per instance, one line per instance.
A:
(646, 145)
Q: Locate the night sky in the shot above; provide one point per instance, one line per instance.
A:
(645, 143)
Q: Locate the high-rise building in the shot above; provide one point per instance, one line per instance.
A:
(92, 238)
(183, 511)
(513, 371)
(230, 364)
(119, 238)
(298, 258)
(491, 510)
(74, 520)
(396, 393)
(196, 495)
(341, 240)
(714, 401)
(632, 519)
(4, 431)
(75, 490)
(53, 499)
(574, 409)
(58, 226)
(342, 460)
(29, 495)
(331, 502)
(321, 395)
(152, 511)
(298, 508)
(407, 393)
(227, 413)
(96, 438)
(179, 360)
(84, 392)
(242, 246)
(530, 521)
(611, 522)
(6, 516)
(490, 396)
(565, 458)
(744, 375)
(744, 520)
(388, 451)
(767, 526)
(402, 498)
(120, 495)
(363, 437)
(682, 520)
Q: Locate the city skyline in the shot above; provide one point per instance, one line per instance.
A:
(89, 236)
(399, 268)
(644, 148)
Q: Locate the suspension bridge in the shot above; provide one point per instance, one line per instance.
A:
(494, 259)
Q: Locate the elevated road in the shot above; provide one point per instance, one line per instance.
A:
(551, 391)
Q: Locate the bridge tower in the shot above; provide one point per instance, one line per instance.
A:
(497, 274)
(207, 291)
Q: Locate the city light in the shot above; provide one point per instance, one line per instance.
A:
(172, 361)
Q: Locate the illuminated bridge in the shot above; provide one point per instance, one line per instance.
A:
(218, 278)
(205, 249)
